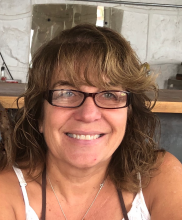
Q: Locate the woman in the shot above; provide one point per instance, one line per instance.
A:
(84, 143)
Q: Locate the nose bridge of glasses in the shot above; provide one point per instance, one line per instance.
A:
(86, 95)
(89, 95)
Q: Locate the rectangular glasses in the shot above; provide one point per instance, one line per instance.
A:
(68, 98)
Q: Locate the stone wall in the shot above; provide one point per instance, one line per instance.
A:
(15, 25)
(154, 33)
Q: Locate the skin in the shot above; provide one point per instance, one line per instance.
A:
(77, 167)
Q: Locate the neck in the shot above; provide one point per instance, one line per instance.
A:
(72, 182)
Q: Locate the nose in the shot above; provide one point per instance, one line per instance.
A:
(88, 111)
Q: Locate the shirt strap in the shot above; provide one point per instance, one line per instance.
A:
(122, 204)
(23, 184)
(44, 194)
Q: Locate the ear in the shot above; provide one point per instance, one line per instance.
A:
(40, 127)
(129, 111)
(41, 121)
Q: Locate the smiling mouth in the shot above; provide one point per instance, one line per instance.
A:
(84, 137)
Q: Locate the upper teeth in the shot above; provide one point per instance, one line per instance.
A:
(84, 137)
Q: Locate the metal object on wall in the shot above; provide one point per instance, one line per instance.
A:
(49, 19)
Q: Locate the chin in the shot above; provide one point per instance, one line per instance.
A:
(90, 162)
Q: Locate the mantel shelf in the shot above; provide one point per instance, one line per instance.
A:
(169, 101)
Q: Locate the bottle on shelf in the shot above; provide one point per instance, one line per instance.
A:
(3, 77)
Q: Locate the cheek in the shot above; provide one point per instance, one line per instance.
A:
(53, 118)
(47, 119)
(120, 119)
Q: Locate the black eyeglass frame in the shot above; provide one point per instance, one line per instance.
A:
(86, 94)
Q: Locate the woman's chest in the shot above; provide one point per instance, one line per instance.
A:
(107, 206)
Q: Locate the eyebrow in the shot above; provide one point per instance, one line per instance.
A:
(68, 83)
(63, 83)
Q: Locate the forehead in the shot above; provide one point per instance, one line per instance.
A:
(60, 78)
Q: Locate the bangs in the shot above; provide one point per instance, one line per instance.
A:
(93, 64)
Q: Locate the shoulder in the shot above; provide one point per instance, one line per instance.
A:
(8, 180)
(170, 169)
(163, 195)
(10, 195)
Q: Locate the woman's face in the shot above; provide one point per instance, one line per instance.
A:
(85, 136)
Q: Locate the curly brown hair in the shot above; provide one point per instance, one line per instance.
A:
(100, 54)
(5, 139)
